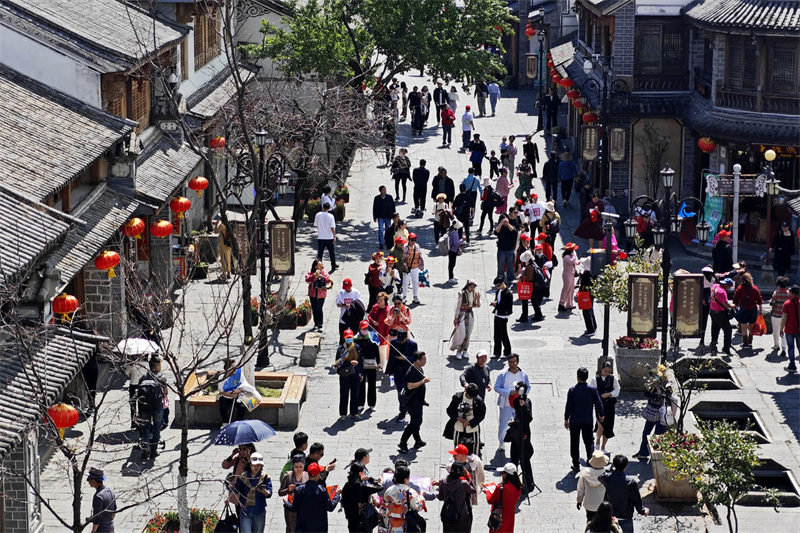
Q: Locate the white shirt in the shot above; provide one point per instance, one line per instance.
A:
(494, 89)
(347, 297)
(453, 97)
(466, 121)
(327, 199)
(325, 224)
(534, 211)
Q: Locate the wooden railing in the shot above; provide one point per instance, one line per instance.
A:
(737, 99)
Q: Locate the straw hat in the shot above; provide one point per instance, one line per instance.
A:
(598, 460)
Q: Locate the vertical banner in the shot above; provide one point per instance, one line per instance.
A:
(590, 143)
(281, 247)
(617, 144)
(713, 209)
(687, 301)
(642, 304)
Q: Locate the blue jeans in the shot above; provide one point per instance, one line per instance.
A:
(625, 524)
(505, 261)
(792, 341)
(151, 427)
(249, 523)
(648, 427)
(383, 223)
(493, 100)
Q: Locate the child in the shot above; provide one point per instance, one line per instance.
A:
(494, 165)
(504, 152)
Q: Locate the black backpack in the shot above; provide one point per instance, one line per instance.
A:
(497, 199)
(150, 393)
(449, 514)
(539, 281)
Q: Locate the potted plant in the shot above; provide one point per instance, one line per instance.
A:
(634, 358)
(200, 271)
(290, 303)
(156, 524)
(203, 520)
(207, 245)
(254, 305)
(304, 310)
(312, 208)
(342, 193)
(339, 211)
(670, 487)
(289, 319)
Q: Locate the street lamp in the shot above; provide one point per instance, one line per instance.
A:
(542, 71)
(767, 276)
(610, 219)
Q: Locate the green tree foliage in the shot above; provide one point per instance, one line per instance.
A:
(611, 286)
(374, 40)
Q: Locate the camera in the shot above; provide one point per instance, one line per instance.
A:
(464, 409)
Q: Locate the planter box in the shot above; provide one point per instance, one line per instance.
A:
(208, 247)
(200, 272)
(667, 488)
(633, 366)
(288, 322)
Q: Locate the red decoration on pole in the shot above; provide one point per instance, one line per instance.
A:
(107, 260)
(133, 228)
(589, 117)
(573, 94)
(65, 304)
(530, 31)
(64, 416)
(550, 63)
(217, 143)
(198, 184)
(162, 228)
(549, 56)
(577, 103)
(706, 144)
(557, 79)
(553, 72)
(180, 205)
(567, 83)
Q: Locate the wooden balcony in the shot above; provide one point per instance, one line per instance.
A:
(661, 82)
(752, 100)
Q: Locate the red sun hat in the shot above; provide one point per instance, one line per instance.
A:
(459, 450)
(363, 325)
(412, 236)
(541, 237)
(399, 240)
(348, 334)
(315, 469)
(525, 237)
(347, 282)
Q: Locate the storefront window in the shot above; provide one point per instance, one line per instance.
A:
(783, 66)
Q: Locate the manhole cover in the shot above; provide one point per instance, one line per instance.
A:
(541, 390)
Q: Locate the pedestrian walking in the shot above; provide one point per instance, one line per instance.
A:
(479, 374)
(377, 318)
(239, 462)
(390, 275)
(546, 266)
(550, 173)
(490, 199)
(351, 307)
(466, 412)
(404, 96)
(551, 104)
(417, 115)
(413, 263)
(136, 369)
(503, 188)
(622, 492)
(503, 308)
(456, 494)
(709, 280)
(473, 188)
(231, 408)
(567, 170)
(531, 152)
(511, 150)
(472, 465)
(318, 282)
(357, 498)
(722, 253)
(720, 319)
(530, 272)
(225, 251)
(150, 397)
(779, 297)
(603, 520)
(392, 230)
(481, 93)
(591, 493)
(443, 184)
(608, 388)
(748, 302)
(453, 98)
(420, 178)
(401, 503)
(504, 385)
(467, 301)
(401, 173)
(570, 261)
(104, 502)
(467, 126)
(448, 117)
(326, 234)
(461, 210)
(585, 283)
(397, 254)
(373, 278)
(478, 151)
(505, 498)
(414, 397)
(494, 166)
(399, 316)
(400, 358)
(454, 243)
(441, 99)
(506, 246)
(790, 326)
(290, 482)
(524, 173)
(389, 137)
(349, 365)
(519, 433)
(582, 399)
(253, 487)
(383, 209)
(661, 405)
(551, 222)
(783, 244)
(368, 343)
(535, 212)
(427, 100)
(312, 503)
(494, 95)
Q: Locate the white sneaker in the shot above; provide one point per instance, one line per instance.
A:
(458, 355)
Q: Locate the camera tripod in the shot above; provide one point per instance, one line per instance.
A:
(521, 448)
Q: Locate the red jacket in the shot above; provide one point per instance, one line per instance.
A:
(448, 117)
(510, 498)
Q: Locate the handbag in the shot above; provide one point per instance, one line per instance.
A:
(584, 300)
(346, 370)
(228, 523)
(370, 518)
(524, 290)
(760, 327)
(496, 515)
(665, 417)
(370, 364)
(651, 413)
(319, 283)
(415, 523)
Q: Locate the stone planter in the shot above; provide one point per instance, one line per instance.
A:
(288, 321)
(303, 318)
(200, 271)
(208, 246)
(668, 489)
(633, 366)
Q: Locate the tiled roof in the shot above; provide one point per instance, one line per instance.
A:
(781, 17)
(48, 138)
(604, 7)
(28, 231)
(206, 102)
(104, 211)
(53, 359)
(112, 27)
(162, 169)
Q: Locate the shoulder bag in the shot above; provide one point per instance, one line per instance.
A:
(496, 515)
(415, 523)
(728, 312)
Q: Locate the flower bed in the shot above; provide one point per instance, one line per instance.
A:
(637, 343)
(669, 489)
(634, 358)
(202, 521)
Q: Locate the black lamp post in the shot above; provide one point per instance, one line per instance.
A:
(542, 65)
(610, 219)
(262, 140)
(767, 276)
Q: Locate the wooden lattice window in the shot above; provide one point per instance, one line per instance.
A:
(140, 102)
(783, 66)
(206, 36)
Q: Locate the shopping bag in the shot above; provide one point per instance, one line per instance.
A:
(760, 327)
(584, 300)
(249, 396)
(524, 290)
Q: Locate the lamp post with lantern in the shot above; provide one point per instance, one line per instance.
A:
(541, 35)
(767, 276)
(667, 225)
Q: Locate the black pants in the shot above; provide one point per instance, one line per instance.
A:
(447, 134)
(523, 460)
(348, 390)
(537, 310)
(368, 394)
(399, 384)
(589, 321)
(576, 432)
(451, 263)
(566, 190)
(463, 233)
(412, 429)
(551, 190)
(720, 321)
(466, 136)
(417, 120)
(322, 244)
(484, 215)
(225, 406)
(91, 371)
(501, 337)
(552, 121)
(397, 188)
(438, 231)
(131, 394)
(373, 296)
(316, 309)
(420, 194)
(704, 311)
(476, 167)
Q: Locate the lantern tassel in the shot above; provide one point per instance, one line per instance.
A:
(65, 317)
(138, 237)
(180, 215)
(61, 433)
(111, 273)
(199, 193)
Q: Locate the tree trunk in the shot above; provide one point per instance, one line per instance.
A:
(735, 519)
(730, 523)
(77, 485)
(183, 505)
(183, 462)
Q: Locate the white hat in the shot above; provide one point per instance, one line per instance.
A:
(256, 459)
(509, 468)
(480, 353)
(457, 224)
(526, 256)
(708, 268)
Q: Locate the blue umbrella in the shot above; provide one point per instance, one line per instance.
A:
(244, 432)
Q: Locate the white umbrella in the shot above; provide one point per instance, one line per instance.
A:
(136, 346)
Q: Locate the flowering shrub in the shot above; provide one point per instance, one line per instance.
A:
(208, 517)
(637, 343)
(672, 441)
(156, 524)
(254, 304)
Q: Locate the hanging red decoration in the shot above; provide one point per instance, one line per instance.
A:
(133, 228)
(550, 63)
(549, 56)
(198, 184)
(498, 28)
(590, 117)
(217, 143)
(180, 205)
(107, 260)
(530, 31)
(160, 229)
(557, 79)
(553, 72)
(65, 304)
(577, 103)
(567, 83)
(706, 144)
(573, 94)
(64, 416)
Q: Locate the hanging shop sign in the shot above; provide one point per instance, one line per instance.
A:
(590, 143)
(281, 246)
(642, 304)
(749, 185)
(532, 66)
(687, 301)
(617, 144)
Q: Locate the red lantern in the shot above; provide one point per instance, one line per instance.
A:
(107, 260)
(567, 83)
(217, 143)
(549, 56)
(550, 62)
(553, 72)
(133, 228)
(63, 416)
(65, 304)
(706, 144)
(557, 79)
(573, 94)
(162, 228)
(498, 28)
(577, 103)
(589, 117)
(180, 205)
(530, 31)
(198, 184)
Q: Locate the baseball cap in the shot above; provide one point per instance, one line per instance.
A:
(539, 247)
(525, 237)
(708, 268)
(256, 459)
(314, 469)
(363, 325)
(347, 282)
(509, 468)
(481, 353)
(467, 107)
(399, 240)
(518, 202)
(361, 453)
(459, 450)
(348, 334)
(541, 236)
(535, 196)
(726, 281)
(412, 236)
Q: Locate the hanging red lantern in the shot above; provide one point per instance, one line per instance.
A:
(198, 184)
(573, 94)
(706, 144)
(549, 56)
(133, 228)
(217, 143)
(498, 28)
(530, 31)
(160, 229)
(553, 72)
(557, 79)
(590, 117)
(180, 205)
(107, 260)
(577, 103)
(567, 83)
(550, 63)
(63, 416)
(65, 304)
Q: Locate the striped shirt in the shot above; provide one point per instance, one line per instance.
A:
(779, 297)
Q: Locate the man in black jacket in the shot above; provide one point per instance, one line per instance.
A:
(503, 307)
(622, 493)
(551, 104)
(531, 152)
(466, 411)
(399, 360)
(478, 153)
(443, 184)
(722, 254)
(462, 209)
(312, 503)
(420, 178)
(479, 374)
(550, 173)
(578, 418)
(441, 99)
(382, 210)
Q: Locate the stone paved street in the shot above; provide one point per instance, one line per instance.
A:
(551, 351)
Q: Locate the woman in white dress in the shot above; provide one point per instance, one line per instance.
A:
(453, 96)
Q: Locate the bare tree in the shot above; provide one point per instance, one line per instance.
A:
(654, 145)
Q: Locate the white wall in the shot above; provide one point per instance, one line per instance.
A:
(249, 31)
(49, 66)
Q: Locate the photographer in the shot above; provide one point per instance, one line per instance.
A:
(466, 411)
(519, 433)
(399, 316)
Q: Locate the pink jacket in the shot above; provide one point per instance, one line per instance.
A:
(313, 292)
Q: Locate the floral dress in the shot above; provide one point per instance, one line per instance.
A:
(396, 502)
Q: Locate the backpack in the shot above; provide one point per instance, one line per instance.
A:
(497, 199)
(444, 243)
(459, 211)
(449, 514)
(150, 394)
(553, 226)
(539, 281)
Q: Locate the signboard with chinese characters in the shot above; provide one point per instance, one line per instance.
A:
(749, 185)
(179, 266)
(687, 302)
(781, 151)
(590, 143)
(642, 305)
(532, 66)
(281, 246)
(617, 144)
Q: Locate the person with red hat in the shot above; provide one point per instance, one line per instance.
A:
(368, 342)
(373, 278)
(534, 210)
(349, 302)
(473, 467)
(547, 249)
(722, 254)
(312, 502)
(524, 246)
(349, 365)
(570, 259)
(413, 263)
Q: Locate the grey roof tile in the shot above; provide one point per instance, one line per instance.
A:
(162, 169)
(206, 102)
(771, 17)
